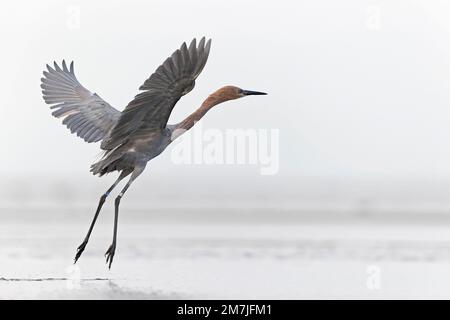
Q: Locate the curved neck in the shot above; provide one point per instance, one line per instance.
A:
(186, 124)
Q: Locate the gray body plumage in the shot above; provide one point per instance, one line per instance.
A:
(140, 132)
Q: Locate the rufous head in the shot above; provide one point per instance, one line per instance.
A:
(232, 92)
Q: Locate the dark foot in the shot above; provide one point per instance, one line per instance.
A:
(110, 254)
(80, 250)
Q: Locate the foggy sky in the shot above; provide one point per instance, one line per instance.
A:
(356, 88)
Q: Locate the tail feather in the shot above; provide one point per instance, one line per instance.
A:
(103, 166)
(98, 168)
(112, 161)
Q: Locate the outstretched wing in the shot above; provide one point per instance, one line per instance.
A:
(84, 113)
(150, 110)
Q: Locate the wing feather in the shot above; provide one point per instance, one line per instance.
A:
(84, 113)
(150, 109)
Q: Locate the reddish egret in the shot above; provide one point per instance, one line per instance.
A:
(140, 132)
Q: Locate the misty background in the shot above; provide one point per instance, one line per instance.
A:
(359, 208)
(359, 91)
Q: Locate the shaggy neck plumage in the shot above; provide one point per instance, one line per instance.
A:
(180, 128)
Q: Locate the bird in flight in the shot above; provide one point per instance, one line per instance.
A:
(132, 137)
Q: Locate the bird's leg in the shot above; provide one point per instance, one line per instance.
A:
(112, 248)
(82, 246)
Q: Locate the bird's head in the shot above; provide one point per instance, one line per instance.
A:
(231, 92)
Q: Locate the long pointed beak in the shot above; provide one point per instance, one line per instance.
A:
(252, 93)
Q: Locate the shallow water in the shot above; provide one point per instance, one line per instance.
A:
(173, 259)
